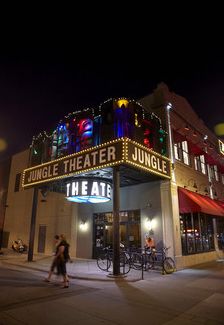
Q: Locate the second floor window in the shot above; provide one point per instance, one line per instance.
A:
(199, 164)
(214, 172)
(181, 152)
(222, 177)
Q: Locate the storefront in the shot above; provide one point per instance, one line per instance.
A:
(106, 173)
(131, 154)
(198, 214)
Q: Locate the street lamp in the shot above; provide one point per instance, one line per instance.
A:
(171, 154)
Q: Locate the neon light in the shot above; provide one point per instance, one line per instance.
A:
(88, 190)
(122, 102)
(88, 199)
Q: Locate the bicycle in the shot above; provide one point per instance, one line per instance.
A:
(105, 260)
(152, 258)
(133, 258)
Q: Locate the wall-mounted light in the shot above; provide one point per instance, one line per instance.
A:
(149, 225)
(83, 225)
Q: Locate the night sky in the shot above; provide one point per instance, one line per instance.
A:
(40, 84)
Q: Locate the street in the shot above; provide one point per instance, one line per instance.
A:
(190, 296)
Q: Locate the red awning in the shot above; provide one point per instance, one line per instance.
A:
(194, 202)
(220, 203)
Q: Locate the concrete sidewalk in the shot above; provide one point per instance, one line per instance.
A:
(87, 269)
(83, 269)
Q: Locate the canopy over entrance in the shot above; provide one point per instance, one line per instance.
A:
(137, 164)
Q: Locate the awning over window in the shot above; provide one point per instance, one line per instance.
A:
(220, 203)
(194, 202)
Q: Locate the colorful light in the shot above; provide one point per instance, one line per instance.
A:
(88, 199)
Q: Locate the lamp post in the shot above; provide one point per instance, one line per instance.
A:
(170, 139)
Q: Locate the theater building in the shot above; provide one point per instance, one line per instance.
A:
(155, 157)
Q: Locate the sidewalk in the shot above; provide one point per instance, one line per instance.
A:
(87, 269)
(83, 269)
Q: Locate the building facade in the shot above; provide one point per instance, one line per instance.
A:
(4, 180)
(171, 180)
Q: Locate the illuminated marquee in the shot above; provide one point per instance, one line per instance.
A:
(108, 154)
(88, 190)
(117, 152)
(139, 156)
(221, 147)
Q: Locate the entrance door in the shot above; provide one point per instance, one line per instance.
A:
(103, 230)
(41, 238)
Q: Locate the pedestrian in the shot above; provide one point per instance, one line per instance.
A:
(150, 247)
(149, 243)
(62, 258)
(54, 262)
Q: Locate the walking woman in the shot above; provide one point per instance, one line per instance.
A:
(54, 263)
(62, 258)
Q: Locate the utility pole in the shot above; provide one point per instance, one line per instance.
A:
(33, 224)
(116, 221)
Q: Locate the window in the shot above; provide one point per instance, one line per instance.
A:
(17, 182)
(214, 172)
(220, 232)
(199, 164)
(84, 134)
(222, 178)
(196, 233)
(185, 153)
(181, 152)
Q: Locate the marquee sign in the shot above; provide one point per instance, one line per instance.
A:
(88, 190)
(140, 156)
(117, 152)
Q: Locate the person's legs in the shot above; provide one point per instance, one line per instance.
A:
(66, 281)
(64, 274)
(53, 265)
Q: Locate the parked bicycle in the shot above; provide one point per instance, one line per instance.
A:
(105, 260)
(153, 258)
(133, 256)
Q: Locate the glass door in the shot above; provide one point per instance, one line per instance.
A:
(130, 234)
